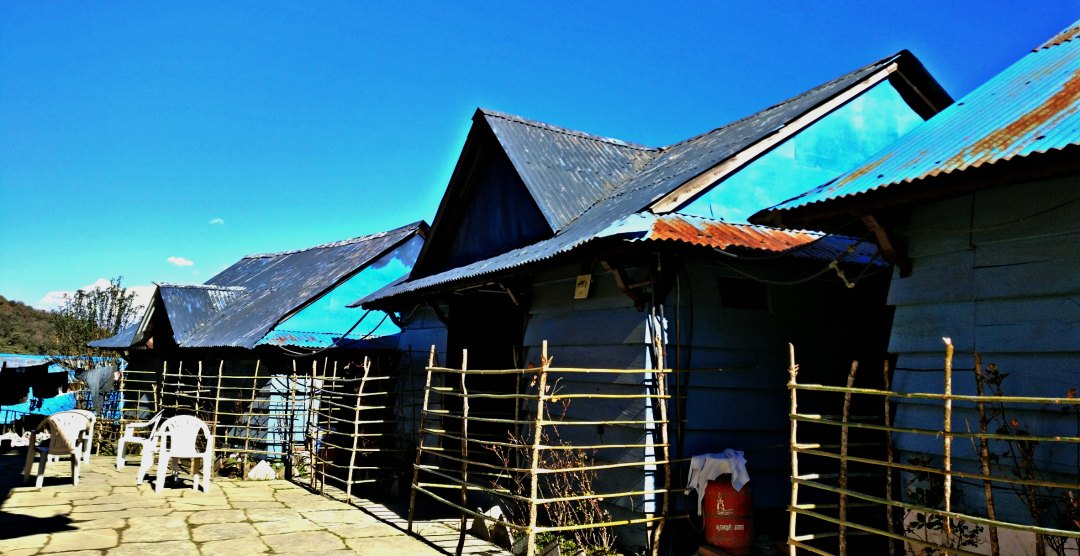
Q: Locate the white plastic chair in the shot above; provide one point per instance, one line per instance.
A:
(67, 437)
(89, 435)
(177, 438)
(132, 437)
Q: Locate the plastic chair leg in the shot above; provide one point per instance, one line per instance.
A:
(162, 470)
(29, 463)
(41, 470)
(75, 463)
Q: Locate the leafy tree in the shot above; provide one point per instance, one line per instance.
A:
(90, 315)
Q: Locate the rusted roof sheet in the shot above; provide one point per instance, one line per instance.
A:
(566, 171)
(1031, 107)
(722, 235)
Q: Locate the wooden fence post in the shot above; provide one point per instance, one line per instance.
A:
(946, 528)
(534, 462)
(250, 416)
(890, 521)
(984, 457)
(793, 373)
(464, 451)
(420, 438)
(356, 429)
(843, 480)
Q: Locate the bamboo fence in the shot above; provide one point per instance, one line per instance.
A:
(457, 442)
(819, 516)
(321, 422)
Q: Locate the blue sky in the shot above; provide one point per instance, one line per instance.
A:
(164, 141)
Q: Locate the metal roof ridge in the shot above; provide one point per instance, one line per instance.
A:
(341, 243)
(566, 131)
(200, 286)
(743, 224)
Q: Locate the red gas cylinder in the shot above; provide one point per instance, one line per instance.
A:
(729, 517)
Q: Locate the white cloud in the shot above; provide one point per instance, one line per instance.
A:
(54, 299)
(180, 261)
(217, 221)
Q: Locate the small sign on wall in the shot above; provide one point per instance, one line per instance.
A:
(581, 287)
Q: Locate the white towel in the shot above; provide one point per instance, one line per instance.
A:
(706, 467)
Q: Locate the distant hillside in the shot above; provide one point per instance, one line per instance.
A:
(24, 329)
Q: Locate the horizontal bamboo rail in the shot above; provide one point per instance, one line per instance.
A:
(452, 431)
(953, 524)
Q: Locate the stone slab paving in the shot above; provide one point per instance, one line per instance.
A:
(107, 515)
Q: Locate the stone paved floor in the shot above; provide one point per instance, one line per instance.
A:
(107, 515)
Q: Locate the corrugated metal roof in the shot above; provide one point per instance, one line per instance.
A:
(722, 235)
(239, 306)
(566, 171)
(669, 169)
(190, 306)
(125, 338)
(322, 340)
(1031, 107)
(277, 284)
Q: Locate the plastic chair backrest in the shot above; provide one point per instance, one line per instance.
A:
(65, 430)
(180, 434)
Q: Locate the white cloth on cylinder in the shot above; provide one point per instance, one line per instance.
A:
(706, 467)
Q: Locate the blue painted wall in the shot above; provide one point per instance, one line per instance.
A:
(829, 147)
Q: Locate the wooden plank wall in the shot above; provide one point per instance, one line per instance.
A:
(997, 272)
(734, 362)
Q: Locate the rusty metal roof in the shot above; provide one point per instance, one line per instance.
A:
(1031, 107)
(722, 235)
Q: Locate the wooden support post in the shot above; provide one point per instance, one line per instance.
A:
(328, 395)
(356, 430)
(793, 373)
(464, 452)
(661, 391)
(217, 401)
(984, 457)
(420, 438)
(890, 521)
(534, 460)
(946, 525)
(312, 426)
(198, 391)
(293, 385)
(843, 480)
(250, 416)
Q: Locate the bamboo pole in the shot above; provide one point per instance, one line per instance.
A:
(217, 400)
(534, 461)
(843, 480)
(356, 432)
(890, 524)
(984, 458)
(793, 373)
(250, 416)
(464, 452)
(420, 438)
(198, 390)
(661, 391)
(294, 384)
(312, 430)
(946, 528)
(329, 394)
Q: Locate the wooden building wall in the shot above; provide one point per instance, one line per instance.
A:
(732, 361)
(996, 271)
